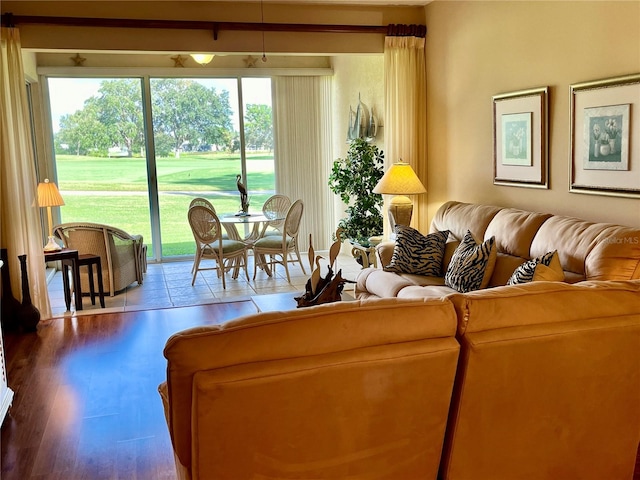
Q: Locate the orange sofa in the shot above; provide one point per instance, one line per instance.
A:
(545, 379)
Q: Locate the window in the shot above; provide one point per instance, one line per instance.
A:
(111, 170)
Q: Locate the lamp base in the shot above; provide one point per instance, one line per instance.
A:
(400, 211)
(52, 246)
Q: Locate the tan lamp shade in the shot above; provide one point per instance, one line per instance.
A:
(49, 196)
(400, 180)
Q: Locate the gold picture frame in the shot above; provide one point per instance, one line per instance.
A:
(604, 156)
(520, 133)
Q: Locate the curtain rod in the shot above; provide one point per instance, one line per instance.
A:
(10, 20)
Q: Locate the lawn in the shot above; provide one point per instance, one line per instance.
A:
(113, 191)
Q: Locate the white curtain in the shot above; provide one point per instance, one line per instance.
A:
(20, 229)
(302, 130)
(405, 135)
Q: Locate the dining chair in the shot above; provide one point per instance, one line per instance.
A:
(207, 232)
(275, 208)
(280, 248)
(230, 229)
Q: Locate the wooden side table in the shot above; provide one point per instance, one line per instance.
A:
(69, 258)
(89, 261)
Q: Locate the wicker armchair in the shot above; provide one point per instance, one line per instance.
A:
(123, 256)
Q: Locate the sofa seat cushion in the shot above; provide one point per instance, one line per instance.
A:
(471, 265)
(416, 253)
(428, 291)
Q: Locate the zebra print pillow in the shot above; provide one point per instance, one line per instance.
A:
(416, 253)
(544, 267)
(471, 264)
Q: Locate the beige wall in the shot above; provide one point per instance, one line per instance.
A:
(355, 75)
(478, 49)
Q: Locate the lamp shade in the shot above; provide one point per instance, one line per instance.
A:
(202, 58)
(400, 179)
(48, 194)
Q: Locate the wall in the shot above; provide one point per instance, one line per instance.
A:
(482, 48)
(355, 75)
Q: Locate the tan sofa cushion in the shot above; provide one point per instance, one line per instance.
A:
(548, 383)
(267, 392)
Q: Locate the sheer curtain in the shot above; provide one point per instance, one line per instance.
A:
(405, 136)
(302, 130)
(20, 229)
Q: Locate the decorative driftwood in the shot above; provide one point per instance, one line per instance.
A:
(318, 289)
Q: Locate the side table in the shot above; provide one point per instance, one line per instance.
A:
(69, 258)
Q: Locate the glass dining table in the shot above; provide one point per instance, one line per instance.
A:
(254, 226)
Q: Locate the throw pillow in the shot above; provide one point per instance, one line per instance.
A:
(545, 267)
(471, 264)
(416, 253)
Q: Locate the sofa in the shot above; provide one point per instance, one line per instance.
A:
(586, 250)
(123, 256)
(532, 381)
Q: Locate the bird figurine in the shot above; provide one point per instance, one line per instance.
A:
(244, 198)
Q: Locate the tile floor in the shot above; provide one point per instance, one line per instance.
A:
(169, 285)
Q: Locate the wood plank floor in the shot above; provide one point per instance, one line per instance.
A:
(86, 404)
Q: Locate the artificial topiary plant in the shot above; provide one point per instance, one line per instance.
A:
(354, 178)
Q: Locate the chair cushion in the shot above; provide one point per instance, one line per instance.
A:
(544, 267)
(416, 253)
(271, 241)
(471, 264)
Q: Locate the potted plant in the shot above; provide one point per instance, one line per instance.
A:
(354, 178)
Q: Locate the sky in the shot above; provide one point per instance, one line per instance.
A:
(67, 95)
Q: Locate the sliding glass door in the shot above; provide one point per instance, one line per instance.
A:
(201, 133)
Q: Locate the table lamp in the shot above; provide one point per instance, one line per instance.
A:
(400, 180)
(49, 196)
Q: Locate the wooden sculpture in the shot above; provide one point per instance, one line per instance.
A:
(319, 289)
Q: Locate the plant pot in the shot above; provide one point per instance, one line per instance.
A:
(605, 150)
(612, 145)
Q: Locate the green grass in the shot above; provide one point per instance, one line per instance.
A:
(113, 191)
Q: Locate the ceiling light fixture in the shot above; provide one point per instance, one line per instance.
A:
(202, 58)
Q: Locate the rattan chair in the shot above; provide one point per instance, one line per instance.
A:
(207, 232)
(232, 231)
(123, 256)
(275, 209)
(280, 248)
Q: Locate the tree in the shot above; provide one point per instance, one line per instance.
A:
(119, 109)
(258, 126)
(354, 178)
(83, 132)
(190, 112)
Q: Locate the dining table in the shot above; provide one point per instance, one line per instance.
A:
(253, 224)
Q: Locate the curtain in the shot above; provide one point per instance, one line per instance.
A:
(405, 92)
(20, 228)
(302, 131)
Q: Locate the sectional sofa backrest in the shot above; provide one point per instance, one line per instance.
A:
(343, 390)
(587, 251)
(548, 383)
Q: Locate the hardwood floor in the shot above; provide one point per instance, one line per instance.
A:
(86, 404)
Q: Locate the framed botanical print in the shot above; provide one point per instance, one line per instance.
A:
(605, 136)
(520, 132)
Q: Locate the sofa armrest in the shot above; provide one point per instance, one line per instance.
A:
(385, 252)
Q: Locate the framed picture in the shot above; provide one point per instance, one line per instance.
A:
(520, 132)
(605, 139)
